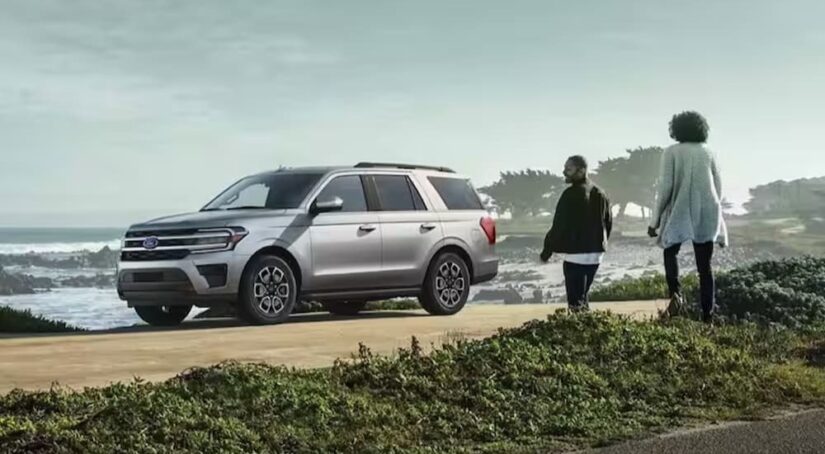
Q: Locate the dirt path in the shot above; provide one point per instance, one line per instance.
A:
(312, 340)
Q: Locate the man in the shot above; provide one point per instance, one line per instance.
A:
(581, 228)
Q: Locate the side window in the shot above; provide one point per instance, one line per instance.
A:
(456, 193)
(349, 189)
(394, 193)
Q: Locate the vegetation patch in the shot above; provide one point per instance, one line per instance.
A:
(567, 382)
(788, 292)
(23, 321)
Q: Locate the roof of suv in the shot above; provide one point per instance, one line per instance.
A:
(362, 165)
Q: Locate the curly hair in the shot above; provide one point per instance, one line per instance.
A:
(689, 126)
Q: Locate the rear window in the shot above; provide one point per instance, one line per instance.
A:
(457, 194)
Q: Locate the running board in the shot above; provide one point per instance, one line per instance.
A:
(361, 295)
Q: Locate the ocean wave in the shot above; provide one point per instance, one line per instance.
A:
(45, 248)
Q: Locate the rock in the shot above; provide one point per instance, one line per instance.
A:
(97, 281)
(507, 295)
(13, 284)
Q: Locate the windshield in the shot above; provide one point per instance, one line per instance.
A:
(270, 191)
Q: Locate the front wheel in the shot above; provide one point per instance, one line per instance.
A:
(163, 315)
(268, 291)
(446, 286)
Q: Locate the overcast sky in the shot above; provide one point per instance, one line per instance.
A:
(113, 111)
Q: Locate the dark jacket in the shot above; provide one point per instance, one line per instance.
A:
(583, 221)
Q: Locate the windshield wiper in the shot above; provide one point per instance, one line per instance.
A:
(212, 209)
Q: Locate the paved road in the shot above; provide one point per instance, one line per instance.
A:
(802, 433)
(310, 340)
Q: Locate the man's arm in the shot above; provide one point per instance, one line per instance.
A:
(666, 175)
(553, 236)
(608, 216)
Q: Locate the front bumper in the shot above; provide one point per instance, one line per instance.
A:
(195, 279)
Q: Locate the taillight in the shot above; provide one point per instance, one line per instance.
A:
(488, 224)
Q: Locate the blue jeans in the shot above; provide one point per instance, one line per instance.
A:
(577, 281)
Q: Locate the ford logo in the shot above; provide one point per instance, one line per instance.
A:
(151, 242)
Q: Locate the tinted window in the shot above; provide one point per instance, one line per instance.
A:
(274, 191)
(394, 193)
(349, 189)
(456, 193)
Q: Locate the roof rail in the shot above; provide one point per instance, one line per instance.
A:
(403, 166)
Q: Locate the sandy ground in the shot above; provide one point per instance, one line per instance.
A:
(311, 340)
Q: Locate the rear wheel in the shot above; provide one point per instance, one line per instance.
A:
(163, 315)
(268, 291)
(446, 286)
(344, 307)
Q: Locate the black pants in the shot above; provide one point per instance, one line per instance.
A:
(704, 254)
(577, 280)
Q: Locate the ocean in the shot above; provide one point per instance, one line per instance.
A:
(89, 308)
(22, 240)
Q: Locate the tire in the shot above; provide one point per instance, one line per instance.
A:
(163, 315)
(268, 291)
(344, 307)
(446, 286)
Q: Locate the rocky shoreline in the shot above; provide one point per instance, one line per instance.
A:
(105, 258)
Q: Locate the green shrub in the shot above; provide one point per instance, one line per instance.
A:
(647, 287)
(564, 383)
(17, 321)
(788, 292)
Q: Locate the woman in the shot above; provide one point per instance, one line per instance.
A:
(689, 207)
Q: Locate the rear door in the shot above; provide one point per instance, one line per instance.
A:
(346, 245)
(410, 229)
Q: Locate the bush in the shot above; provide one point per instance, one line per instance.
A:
(16, 321)
(647, 287)
(564, 383)
(788, 292)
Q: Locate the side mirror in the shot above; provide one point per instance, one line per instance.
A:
(327, 206)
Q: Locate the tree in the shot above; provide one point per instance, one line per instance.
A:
(801, 198)
(631, 179)
(526, 193)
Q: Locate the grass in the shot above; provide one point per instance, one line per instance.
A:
(647, 287)
(567, 382)
(17, 321)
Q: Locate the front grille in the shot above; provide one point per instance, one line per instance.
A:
(160, 232)
(175, 244)
(136, 256)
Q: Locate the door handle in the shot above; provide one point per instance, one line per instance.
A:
(428, 226)
(367, 228)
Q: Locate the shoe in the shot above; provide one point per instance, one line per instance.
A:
(676, 308)
(707, 319)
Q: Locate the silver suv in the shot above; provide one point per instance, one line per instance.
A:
(339, 236)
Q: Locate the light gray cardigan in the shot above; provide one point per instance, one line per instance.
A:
(689, 201)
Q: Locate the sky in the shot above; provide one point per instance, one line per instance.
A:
(113, 112)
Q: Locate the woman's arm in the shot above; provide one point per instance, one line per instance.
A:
(666, 175)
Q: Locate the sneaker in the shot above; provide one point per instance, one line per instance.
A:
(676, 308)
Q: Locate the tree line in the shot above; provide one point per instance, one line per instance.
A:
(633, 179)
